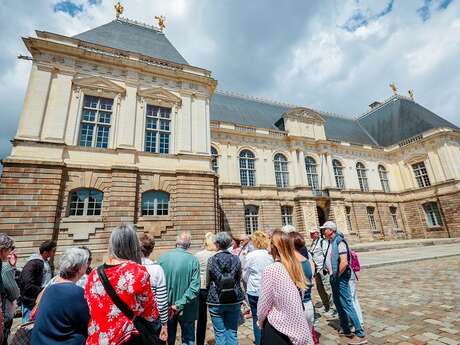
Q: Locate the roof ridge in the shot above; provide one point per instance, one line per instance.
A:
(138, 23)
(257, 99)
(278, 103)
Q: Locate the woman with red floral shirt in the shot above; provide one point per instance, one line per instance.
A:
(131, 281)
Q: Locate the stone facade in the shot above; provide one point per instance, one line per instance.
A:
(54, 158)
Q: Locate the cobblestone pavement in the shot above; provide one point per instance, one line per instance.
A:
(410, 303)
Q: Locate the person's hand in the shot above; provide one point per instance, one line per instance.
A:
(12, 258)
(174, 309)
(258, 324)
(164, 333)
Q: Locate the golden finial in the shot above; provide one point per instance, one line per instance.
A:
(161, 22)
(118, 9)
(394, 88)
(411, 94)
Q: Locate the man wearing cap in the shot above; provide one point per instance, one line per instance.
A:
(337, 259)
(318, 250)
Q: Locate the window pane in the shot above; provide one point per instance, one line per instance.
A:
(150, 141)
(106, 103)
(86, 134)
(165, 112)
(89, 115)
(155, 203)
(102, 139)
(104, 117)
(90, 102)
(164, 142)
(164, 125)
(152, 110)
(90, 197)
(151, 123)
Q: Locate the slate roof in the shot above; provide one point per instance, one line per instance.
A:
(251, 112)
(124, 35)
(398, 119)
(393, 121)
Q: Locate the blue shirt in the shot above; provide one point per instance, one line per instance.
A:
(62, 316)
(307, 271)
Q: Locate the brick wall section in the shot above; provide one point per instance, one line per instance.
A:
(451, 210)
(270, 214)
(29, 196)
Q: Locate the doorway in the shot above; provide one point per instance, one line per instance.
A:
(321, 215)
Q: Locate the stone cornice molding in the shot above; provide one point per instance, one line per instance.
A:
(159, 96)
(421, 157)
(98, 84)
(305, 115)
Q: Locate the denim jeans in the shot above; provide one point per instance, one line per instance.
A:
(187, 331)
(354, 298)
(225, 323)
(202, 318)
(344, 303)
(253, 305)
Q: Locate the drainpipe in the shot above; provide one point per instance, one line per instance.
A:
(402, 219)
(380, 218)
(443, 217)
(354, 214)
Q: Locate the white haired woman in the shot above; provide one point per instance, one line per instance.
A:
(57, 320)
(130, 281)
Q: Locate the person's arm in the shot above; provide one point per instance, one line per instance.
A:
(343, 263)
(265, 303)
(161, 294)
(194, 288)
(11, 287)
(144, 293)
(247, 268)
(312, 265)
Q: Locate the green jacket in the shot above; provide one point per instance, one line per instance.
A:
(182, 271)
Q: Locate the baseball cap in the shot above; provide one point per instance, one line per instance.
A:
(313, 230)
(329, 225)
(288, 228)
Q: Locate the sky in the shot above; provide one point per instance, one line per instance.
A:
(336, 56)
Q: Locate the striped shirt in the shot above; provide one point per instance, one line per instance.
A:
(158, 283)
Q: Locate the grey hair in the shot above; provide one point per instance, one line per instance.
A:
(6, 242)
(124, 243)
(223, 240)
(71, 261)
(184, 240)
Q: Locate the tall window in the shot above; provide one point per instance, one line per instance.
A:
(95, 121)
(394, 216)
(85, 202)
(371, 218)
(281, 171)
(286, 215)
(338, 173)
(421, 175)
(247, 168)
(155, 203)
(432, 214)
(312, 175)
(383, 174)
(157, 129)
(362, 177)
(214, 162)
(348, 215)
(251, 214)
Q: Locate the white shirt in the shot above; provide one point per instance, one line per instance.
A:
(342, 250)
(255, 263)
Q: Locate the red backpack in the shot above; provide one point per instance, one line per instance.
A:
(354, 261)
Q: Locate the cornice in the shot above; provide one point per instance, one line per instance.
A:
(160, 96)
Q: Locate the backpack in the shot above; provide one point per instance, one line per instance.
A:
(226, 287)
(353, 260)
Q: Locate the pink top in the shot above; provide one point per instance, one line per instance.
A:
(280, 301)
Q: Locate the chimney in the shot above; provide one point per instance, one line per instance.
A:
(374, 104)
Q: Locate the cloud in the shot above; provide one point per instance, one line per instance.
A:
(429, 5)
(68, 7)
(333, 55)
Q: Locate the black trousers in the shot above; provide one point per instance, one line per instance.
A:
(202, 318)
(271, 336)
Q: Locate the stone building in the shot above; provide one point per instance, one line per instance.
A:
(117, 127)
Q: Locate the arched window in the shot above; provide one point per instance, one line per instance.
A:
(383, 174)
(214, 162)
(432, 214)
(85, 202)
(155, 203)
(338, 173)
(312, 175)
(281, 171)
(247, 168)
(251, 215)
(362, 177)
(286, 215)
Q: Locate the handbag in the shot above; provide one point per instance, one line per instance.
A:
(23, 335)
(147, 329)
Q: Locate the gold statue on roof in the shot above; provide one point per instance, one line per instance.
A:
(161, 22)
(411, 94)
(118, 9)
(394, 88)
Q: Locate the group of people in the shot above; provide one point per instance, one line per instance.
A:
(271, 273)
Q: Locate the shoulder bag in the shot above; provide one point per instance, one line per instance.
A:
(147, 329)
